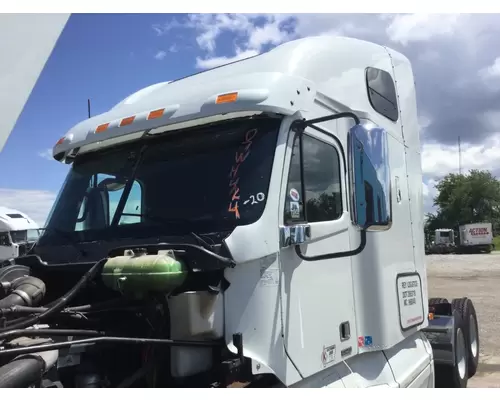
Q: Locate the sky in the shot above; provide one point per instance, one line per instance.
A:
(106, 57)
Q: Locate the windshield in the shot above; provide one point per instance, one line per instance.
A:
(30, 235)
(203, 180)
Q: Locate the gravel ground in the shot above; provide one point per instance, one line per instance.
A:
(476, 277)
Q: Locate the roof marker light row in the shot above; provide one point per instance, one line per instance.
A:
(158, 113)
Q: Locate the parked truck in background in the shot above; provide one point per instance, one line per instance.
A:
(257, 224)
(18, 233)
(443, 243)
(476, 238)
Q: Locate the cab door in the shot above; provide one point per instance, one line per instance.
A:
(7, 249)
(317, 294)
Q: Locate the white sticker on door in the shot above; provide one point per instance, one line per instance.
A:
(294, 209)
(411, 307)
(269, 276)
(294, 194)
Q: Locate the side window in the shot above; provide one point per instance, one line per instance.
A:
(113, 191)
(320, 186)
(133, 206)
(294, 204)
(382, 93)
(4, 239)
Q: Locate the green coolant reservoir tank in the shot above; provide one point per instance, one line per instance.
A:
(136, 273)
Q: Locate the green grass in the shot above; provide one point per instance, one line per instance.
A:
(496, 242)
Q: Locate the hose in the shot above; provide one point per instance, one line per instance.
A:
(27, 370)
(62, 302)
(48, 333)
(24, 291)
(82, 308)
(22, 373)
(15, 351)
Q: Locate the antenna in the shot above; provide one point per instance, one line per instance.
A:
(88, 107)
(459, 157)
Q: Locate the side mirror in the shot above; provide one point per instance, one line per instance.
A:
(112, 185)
(369, 173)
(357, 155)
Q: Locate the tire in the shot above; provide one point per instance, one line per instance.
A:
(455, 376)
(465, 308)
(437, 300)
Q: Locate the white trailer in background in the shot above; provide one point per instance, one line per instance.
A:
(476, 238)
(18, 233)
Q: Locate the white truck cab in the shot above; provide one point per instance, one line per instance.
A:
(18, 233)
(444, 236)
(287, 188)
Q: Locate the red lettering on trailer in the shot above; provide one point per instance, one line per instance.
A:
(478, 231)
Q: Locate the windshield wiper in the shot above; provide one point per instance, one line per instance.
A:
(167, 221)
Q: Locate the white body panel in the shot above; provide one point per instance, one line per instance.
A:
(19, 222)
(27, 51)
(316, 296)
(289, 310)
(476, 234)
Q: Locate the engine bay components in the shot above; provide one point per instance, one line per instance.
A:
(138, 273)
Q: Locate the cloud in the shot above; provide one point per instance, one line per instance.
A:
(439, 160)
(35, 203)
(160, 55)
(429, 192)
(47, 154)
(492, 71)
(213, 62)
(254, 31)
(421, 27)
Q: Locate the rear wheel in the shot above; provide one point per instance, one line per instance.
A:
(465, 308)
(437, 300)
(455, 376)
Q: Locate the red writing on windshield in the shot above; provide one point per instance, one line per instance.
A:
(234, 180)
(478, 231)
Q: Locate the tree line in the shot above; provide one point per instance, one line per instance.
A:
(464, 199)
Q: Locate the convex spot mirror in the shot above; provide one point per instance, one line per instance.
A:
(112, 184)
(369, 173)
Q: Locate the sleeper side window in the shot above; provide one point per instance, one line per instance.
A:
(316, 196)
(382, 93)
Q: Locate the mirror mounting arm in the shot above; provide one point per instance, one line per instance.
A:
(331, 256)
(303, 123)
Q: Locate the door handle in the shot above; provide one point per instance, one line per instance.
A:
(345, 331)
(294, 234)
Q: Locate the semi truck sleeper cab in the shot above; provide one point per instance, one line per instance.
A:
(257, 224)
